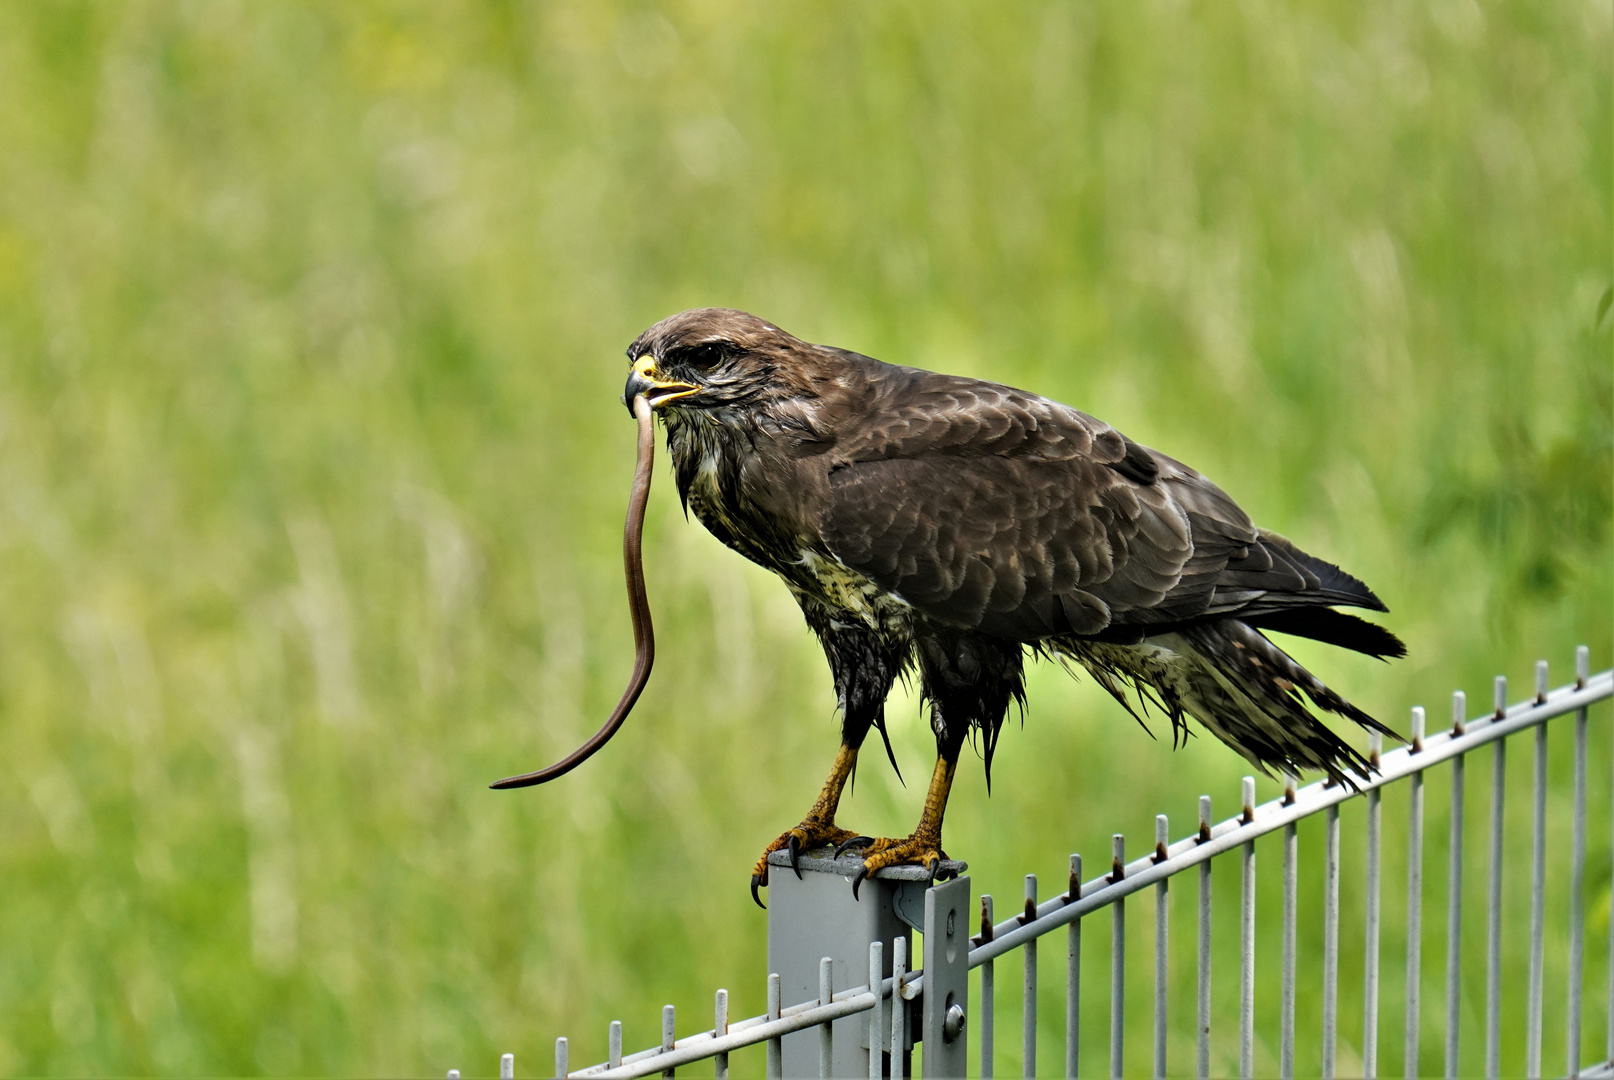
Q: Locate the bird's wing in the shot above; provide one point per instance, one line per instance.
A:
(989, 508)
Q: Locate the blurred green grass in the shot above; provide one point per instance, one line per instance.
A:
(312, 469)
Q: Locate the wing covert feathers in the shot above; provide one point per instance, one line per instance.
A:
(991, 509)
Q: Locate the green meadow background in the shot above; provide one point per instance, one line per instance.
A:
(312, 473)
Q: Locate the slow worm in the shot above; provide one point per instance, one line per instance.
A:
(644, 637)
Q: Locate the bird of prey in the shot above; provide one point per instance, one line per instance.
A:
(946, 526)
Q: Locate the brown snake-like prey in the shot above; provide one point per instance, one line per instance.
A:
(644, 637)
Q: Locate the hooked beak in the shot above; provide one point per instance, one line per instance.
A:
(656, 390)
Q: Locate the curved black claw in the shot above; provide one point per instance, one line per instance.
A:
(935, 866)
(793, 846)
(756, 883)
(857, 879)
(856, 841)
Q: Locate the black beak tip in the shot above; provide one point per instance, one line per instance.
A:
(637, 384)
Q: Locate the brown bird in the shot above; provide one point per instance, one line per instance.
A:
(946, 526)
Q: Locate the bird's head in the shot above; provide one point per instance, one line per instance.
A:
(713, 358)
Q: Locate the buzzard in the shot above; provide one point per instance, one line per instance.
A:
(945, 527)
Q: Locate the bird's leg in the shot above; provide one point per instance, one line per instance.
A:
(818, 828)
(923, 846)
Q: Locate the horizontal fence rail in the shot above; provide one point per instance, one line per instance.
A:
(894, 996)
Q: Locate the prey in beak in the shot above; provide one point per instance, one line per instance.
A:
(644, 380)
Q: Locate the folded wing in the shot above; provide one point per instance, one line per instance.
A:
(992, 509)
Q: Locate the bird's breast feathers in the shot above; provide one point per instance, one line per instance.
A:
(847, 592)
(764, 517)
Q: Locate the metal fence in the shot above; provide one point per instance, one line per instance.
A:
(870, 1028)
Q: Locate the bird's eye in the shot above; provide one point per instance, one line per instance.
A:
(704, 356)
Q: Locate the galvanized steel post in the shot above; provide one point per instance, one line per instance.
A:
(816, 917)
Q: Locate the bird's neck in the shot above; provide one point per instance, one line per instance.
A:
(720, 464)
(707, 452)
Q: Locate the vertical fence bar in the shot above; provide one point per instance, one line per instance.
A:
(1028, 987)
(1291, 873)
(1247, 945)
(988, 990)
(1117, 960)
(1414, 901)
(667, 1038)
(1073, 975)
(720, 1027)
(1493, 926)
(1162, 945)
(1370, 963)
(507, 1066)
(1202, 1031)
(1331, 943)
(563, 1066)
(899, 1011)
(775, 1045)
(1577, 878)
(826, 1030)
(1028, 1013)
(1538, 884)
(1454, 897)
(877, 1013)
(613, 1037)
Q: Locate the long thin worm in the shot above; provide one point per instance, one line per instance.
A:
(644, 637)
